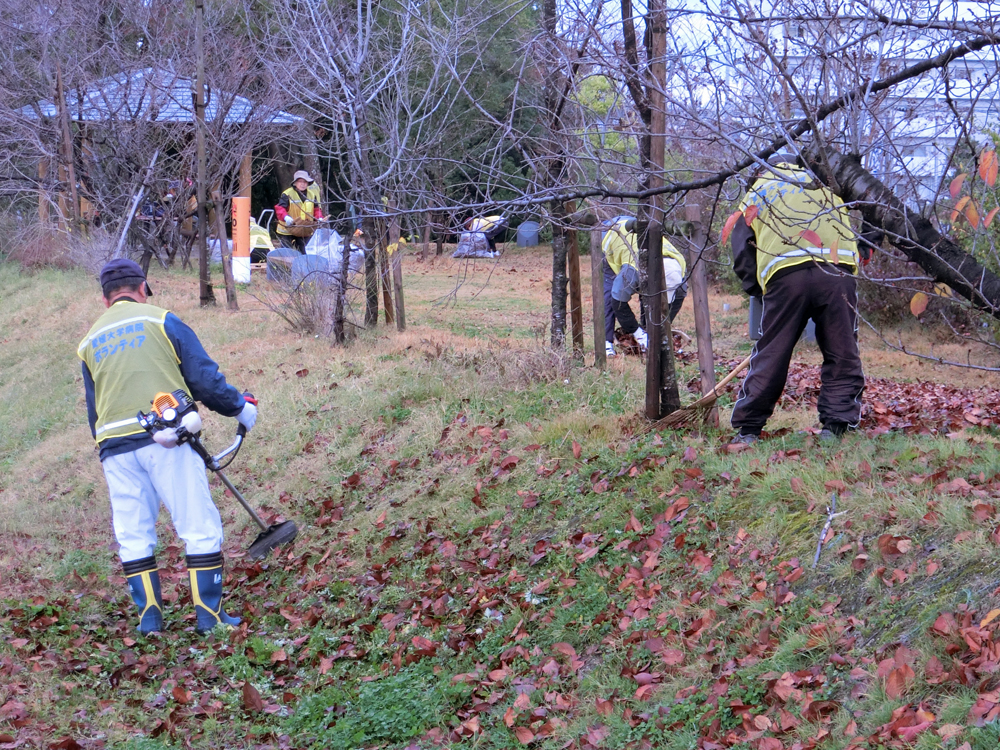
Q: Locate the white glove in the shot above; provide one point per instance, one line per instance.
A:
(289, 220)
(248, 417)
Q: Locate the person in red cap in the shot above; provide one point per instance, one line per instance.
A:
(134, 351)
(298, 211)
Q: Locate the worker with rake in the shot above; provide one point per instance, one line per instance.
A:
(794, 246)
(132, 352)
(622, 280)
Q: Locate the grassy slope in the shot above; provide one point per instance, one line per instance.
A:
(489, 556)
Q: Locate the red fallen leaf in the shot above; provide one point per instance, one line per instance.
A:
(522, 702)
(279, 655)
(66, 743)
(797, 485)
(647, 678)
(644, 693)
(601, 487)
(181, 695)
(509, 717)
(251, 699)
(524, 735)
(701, 562)
(472, 725)
(909, 734)
(787, 721)
(423, 645)
(19, 642)
(672, 657)
(352, 481)
(633, 524)
(835, 485)
(541, 588)
(325, 665)
(565, 649)
(893, 546)
(587, 554)
(604, 707)
(769, 743)
(509, 463)
(819, 709)
(932, 568)
(577, 450)
(859, 562)
(898, 681)
(945, 624)
(6, 739)
(597, 734)
(498, 675)
(690, 454)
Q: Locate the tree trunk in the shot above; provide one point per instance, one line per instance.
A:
(913, 234)
(206, 293)
(225, 253)
(68, 154)
(558, 336)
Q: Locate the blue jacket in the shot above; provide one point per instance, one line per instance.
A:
(201, 374)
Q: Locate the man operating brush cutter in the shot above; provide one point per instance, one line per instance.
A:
(133, 351)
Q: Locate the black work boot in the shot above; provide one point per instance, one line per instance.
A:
(144, 586)
(832, 432)
(205, 572)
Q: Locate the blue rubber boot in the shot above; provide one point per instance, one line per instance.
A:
(205, 572)
(144, 586)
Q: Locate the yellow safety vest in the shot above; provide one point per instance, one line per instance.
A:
(131, 360)
(485, 223)
(619, 248)
(299, 209)
(787, 207)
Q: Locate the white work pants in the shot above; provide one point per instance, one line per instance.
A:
(140, 480)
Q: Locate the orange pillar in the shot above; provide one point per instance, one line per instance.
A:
(241, 240)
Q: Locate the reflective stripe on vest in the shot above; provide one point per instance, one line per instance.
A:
(619, 249)
(298, 208)
(131, 359)
(788, 204)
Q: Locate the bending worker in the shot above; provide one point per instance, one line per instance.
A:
(298, 211)
(622, 280)
(133, 352)
(489, 226)
(799, 253)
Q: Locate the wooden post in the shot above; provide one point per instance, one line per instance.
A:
(654, 319)
(702, 317)
(246, 176)
(396, 260)
(206, 293)
(427, 238)
(597, 290)
(575, 292)
(224, 252)
(383, 272)
(371, 273)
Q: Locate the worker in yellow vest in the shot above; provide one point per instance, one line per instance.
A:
(800, 254)
(134, 351)
(622, 280)
(298, 210)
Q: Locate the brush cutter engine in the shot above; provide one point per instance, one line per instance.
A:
(173, 420)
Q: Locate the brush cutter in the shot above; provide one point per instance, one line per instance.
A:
(173, 421)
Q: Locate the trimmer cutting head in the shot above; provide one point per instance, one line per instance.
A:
(276, 535)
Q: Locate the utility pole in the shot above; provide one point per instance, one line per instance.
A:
(207, 295)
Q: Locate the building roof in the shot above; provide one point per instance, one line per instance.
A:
(155, 95)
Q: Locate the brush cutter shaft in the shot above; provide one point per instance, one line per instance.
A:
(243, 502)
